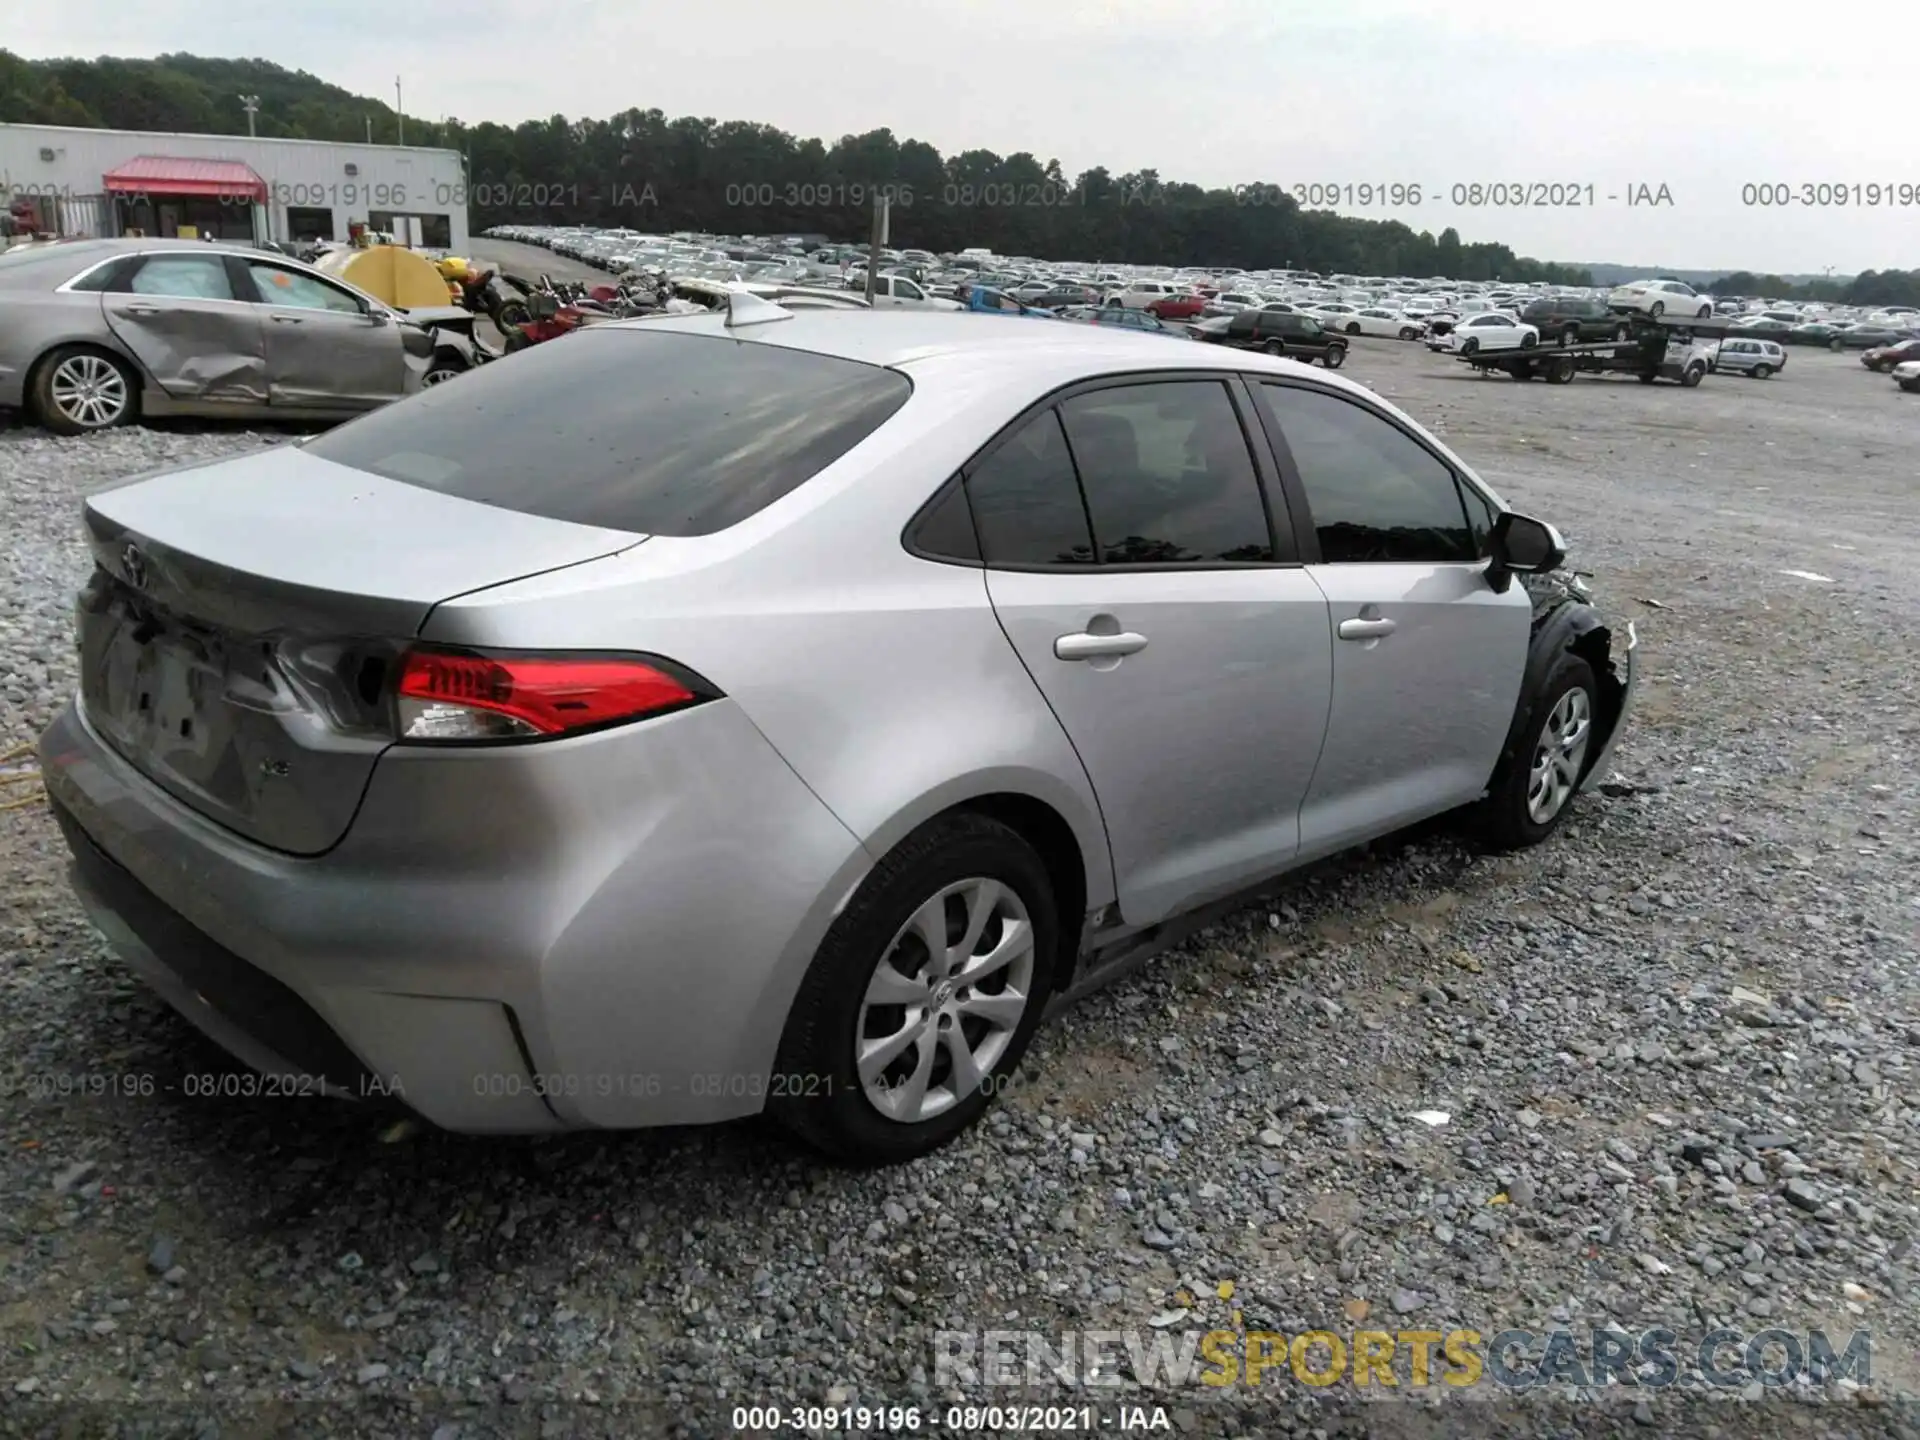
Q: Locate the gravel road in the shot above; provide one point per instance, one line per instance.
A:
(1677, 1049)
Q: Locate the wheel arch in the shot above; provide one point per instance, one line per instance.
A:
(1567, 627)
(82, 340)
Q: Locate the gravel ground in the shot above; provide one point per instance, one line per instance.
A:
(1676, 1047)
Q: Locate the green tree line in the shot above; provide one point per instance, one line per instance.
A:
(1869, 287)
(645, 170)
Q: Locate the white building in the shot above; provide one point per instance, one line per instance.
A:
(73, 181)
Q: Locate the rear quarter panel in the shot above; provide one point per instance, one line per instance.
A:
(34, 323)
(884, 680)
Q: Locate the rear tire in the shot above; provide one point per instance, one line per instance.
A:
(1527, 803)
(1761, 372)
(1570, 335)
(1527, 342)
(1353, 327)
(1835, 345)
(875, 949)
(78, 390)
(1407, 332)
(1659, 309)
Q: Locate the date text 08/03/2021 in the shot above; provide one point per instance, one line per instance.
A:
(195, 1085)
(957, 1419)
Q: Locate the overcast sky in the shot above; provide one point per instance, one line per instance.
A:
(1702, 97)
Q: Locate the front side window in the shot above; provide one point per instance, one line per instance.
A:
(1167, 475)
(1376, 494)
(185, 277)
(280, 286)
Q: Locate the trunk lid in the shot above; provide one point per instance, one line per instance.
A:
(237, 630)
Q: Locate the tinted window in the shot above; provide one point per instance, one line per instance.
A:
(946, 528)
(665, 434)
(1480, 517)
(188, 277)
(1167, 475)
(1376, 495)
(279, 286)
(1026, 500)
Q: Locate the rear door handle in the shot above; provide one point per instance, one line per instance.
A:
(1365, 629)
(139, 310)
(289, 319)
(1084, 646)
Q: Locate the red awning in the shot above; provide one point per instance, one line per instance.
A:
(169, 175)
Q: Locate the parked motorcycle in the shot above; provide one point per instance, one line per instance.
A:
(550, 318)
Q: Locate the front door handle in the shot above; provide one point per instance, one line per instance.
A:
(139, 310)
(1365, 629)
(1085, 646)
(289, 319)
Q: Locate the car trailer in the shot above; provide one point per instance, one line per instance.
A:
(1656, 348)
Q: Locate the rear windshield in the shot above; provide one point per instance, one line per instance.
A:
(658, 433)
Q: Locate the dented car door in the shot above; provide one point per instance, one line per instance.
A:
(327, 349)
(178, 316)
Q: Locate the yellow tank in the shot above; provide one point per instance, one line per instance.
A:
(401, 277)
(454, 267)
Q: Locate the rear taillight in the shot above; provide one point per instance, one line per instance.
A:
(454, 696)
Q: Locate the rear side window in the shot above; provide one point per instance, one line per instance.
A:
(657, 433)
(1026, 500)
(1167, 475)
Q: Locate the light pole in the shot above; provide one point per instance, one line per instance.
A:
(250, 104)
(400, 109)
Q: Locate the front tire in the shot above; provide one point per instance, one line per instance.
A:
(1659, 309)
(1354, 328)
(1274, 347)
(1529, 802)
(923, 996)
(1335, 357)
(78, 390)
(442, 370)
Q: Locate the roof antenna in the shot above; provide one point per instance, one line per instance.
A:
(746, 308)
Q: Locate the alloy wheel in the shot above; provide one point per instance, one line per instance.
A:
(945, 1001)
(89, 390)
(1560, 755)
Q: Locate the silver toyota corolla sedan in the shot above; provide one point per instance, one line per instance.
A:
(95, 333)
(783, 711)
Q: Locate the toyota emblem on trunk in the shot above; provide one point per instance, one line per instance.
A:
(136, 566)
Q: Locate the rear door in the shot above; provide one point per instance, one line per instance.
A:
(325, 349)
(1133, 564)
(1427, 659)
(179, 316)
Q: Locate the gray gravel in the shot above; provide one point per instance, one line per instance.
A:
(1676, 1050)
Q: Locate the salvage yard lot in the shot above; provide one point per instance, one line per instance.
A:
(1678, 1047)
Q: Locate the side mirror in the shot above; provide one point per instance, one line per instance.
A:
(377, 316)
(1522, 546)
